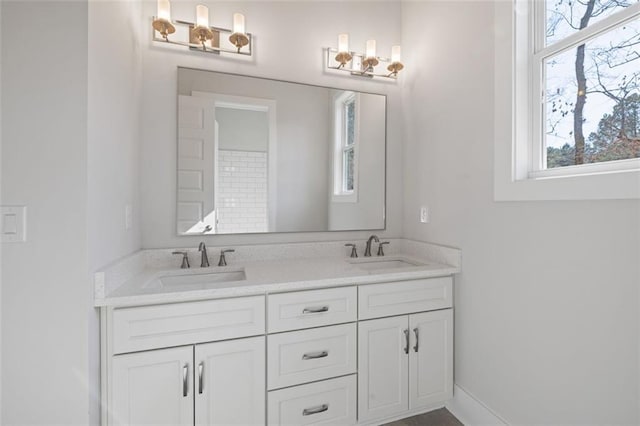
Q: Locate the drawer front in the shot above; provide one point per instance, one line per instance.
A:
(159, 326)
(330, 402)
(308, 355)
(312, 308)
(404, 297)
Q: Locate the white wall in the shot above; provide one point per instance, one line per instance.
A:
(44, 166)
(547, 303)
(273, 23)
(242, 130)
(1, 376)
(113, 129)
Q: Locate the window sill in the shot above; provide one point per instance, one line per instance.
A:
(345, 198)
(622, 166)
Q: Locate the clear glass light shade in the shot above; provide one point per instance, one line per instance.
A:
(202, 16)
(164, 10)
(371, 49)
(395, 54)
(238, 23)
(343, 43)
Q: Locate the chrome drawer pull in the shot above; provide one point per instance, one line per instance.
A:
(185, 380)
(315, 410)
(415, 348)
(316, 355)
(200, 381)
(315, 310)
(406, 337)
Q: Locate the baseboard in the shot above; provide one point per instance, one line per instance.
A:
(470, 411)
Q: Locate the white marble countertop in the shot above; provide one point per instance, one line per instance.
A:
(143, 286)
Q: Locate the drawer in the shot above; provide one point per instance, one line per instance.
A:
(330, 402)
(311, 308)
(404, 297)
(159, 326)
(308, 355)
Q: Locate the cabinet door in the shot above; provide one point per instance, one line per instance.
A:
(431, 358)
(153, 388)
(230, 382)
(383, 388)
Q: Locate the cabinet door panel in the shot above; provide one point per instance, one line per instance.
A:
(431, 363)
(232, 389)
(149, 388)
(382, 368)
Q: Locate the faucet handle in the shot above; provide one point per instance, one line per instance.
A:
(185, 259)
(380, 250)
(223, 259)
(354, 252)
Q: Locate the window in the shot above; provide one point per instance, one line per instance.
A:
(573, 102)
(346, 147)
(586, 60)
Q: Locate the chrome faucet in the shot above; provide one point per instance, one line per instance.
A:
(185, 259)
(223, 260)
(204, 263)
(367, 250)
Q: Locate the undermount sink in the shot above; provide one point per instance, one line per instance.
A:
(379, 264)
(197, 280)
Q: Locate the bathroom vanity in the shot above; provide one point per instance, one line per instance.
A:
(322, 340)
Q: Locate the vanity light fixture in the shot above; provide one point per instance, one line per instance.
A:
(200, 35)
(362, 64)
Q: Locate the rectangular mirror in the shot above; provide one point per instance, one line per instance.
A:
(258, 155)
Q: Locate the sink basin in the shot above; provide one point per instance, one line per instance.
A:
(208, 278)
(384, 264)
(196, 280)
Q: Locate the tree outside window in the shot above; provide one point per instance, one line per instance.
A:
(591, 91)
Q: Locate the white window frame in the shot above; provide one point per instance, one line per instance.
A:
(339, 194)
(518, 105)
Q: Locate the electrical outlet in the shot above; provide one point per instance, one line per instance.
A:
(424, 215)
(13, 224)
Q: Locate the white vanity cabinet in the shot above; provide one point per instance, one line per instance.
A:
(225, 385)
(312, 359)
(365, 354)
(405, 362)
(220, 381)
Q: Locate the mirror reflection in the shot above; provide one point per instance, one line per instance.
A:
(258, 155)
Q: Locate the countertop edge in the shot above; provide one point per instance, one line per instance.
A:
(269, 288)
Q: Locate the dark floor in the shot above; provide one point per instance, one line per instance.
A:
(441, 417)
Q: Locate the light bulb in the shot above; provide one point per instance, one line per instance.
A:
(202, 16)
(371, 49)
(164, 10)
(343, 43)
(238, 23)
(395, 54)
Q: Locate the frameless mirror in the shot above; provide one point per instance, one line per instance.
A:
(258, 155)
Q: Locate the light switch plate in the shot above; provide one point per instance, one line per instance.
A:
(13, 224)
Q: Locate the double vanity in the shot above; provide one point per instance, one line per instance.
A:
(291, 334)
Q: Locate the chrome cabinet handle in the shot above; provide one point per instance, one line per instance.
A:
(415, 348)
(315, 410)
(200, 380)
(315, 310)
(316, 355)
(406, 338)
(185, 380)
